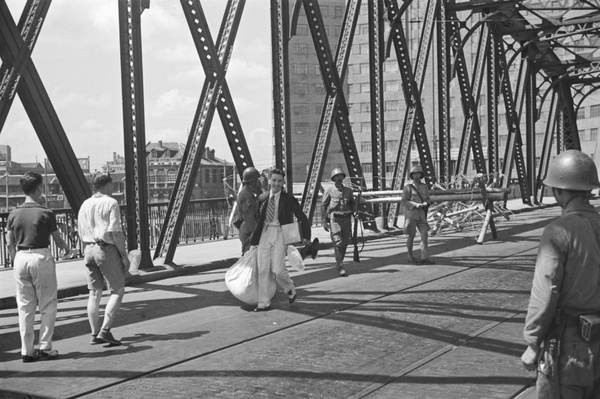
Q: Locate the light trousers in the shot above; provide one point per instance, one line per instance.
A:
(35, 275)
(271, 260)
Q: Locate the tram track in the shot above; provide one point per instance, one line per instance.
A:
(350, 307)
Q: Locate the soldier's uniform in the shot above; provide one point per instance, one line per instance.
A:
(338, 207)
(566, 284)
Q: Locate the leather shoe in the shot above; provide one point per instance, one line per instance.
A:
(292, 296)
(257, 309)
(427, 262)
(314, 250)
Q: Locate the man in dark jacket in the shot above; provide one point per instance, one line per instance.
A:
(276, 208)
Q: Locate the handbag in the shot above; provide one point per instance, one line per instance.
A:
(291, 233)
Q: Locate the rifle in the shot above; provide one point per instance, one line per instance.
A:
(355, 233)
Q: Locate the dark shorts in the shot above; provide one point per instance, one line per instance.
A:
(411, 226)
(104, 263)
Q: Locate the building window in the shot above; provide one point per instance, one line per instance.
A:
(300, 48)
(301, 88)
(390, 66)
(364, 29)
(365, 146)
(594, 111)
(206, 176)
(319, 88)
(391, 105)
(337, 31)
(365, 87)
(302, 127)
(364, 48)
(391, 86)
(365, 107)
(389, 167)
(339, 11)
(302, 29)
(324, 11)
(582, 135)
(581, 113)
(367, 167)
(301, 108)
(161, 176)
(365, 127)
(392, 126)
(594, 134)
(152, 177)
(364, 69)
(300, 69)
(171, 176)
(392, 145)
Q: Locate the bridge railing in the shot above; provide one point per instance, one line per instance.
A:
(197, 225)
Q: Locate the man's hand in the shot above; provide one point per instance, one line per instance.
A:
(530, 357)
(125, 261)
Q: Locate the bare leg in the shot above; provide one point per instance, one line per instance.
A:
(112, 308)
(93, 309)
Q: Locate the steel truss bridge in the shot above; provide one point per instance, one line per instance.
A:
(551, 44)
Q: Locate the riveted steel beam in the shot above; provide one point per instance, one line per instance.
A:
(492, 108)
(547, 146)
(134, 130)
(215, 94)
(335, 109)
(280, 22)
(376, 59)
(567, 125)
(513, 154)
(530, 119)
(412, 83)
(469, 94)
(443, 83)
(42, 114)
(30, 24)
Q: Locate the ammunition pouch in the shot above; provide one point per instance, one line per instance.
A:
(589, 327)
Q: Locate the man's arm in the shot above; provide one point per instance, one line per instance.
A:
(407, 198)
(61, 243)
(119, 239)
(10, 242)
(325, 208)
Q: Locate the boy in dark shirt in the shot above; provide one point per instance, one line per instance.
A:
(29, 228)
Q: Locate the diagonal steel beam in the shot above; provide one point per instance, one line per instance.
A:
(471, 133)
(42, 115)
(30, 24)
(215, 94)
(567, 126)
(335, 109)
(513, 154)
(280, 20)
(414, 121)
(547, 146)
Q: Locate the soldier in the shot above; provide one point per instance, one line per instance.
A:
(566, 287)
(338, 207)
(247, 205)
(416, 201)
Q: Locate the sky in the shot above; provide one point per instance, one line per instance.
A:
(77, 57)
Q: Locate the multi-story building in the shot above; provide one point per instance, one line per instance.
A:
(307, 91)
(214, 179)
(306, 82)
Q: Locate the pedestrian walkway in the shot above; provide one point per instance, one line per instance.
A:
(390, 330)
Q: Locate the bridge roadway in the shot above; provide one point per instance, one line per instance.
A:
(389, 330)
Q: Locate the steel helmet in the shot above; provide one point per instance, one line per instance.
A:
(572, 170)
(416, 169)
(250, 174)
(337, 171)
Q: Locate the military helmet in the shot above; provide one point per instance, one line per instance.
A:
(416, 169)
(337, 171)
(572, 170)
(250, 174)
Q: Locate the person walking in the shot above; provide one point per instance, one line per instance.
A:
(276, 208)
(29, 228)
(99, 225)
(247, 205)
(565, 294)
(338, 206)
(416, 201)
